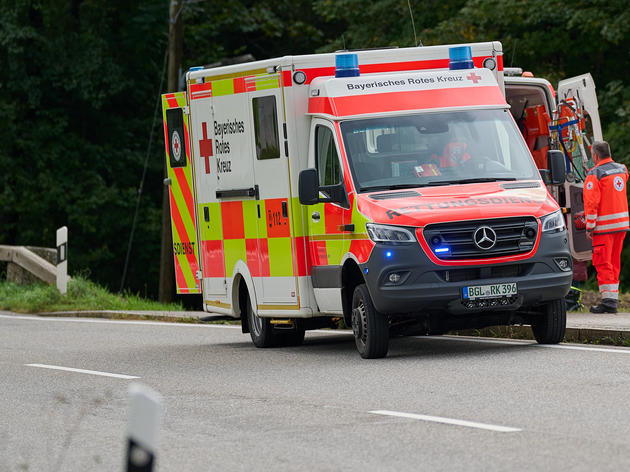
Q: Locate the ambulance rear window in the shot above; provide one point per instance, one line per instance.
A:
(266, 127)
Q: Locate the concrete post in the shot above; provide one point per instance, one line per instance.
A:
(62, 259)
(145, 407)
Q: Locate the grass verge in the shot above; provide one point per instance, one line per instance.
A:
(83, 295)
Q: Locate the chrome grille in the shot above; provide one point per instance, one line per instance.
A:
(513, 236)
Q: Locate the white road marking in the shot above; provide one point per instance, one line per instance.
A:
(94, 320)
(585, 348)
(83, 371)
(439, 419)
(145, 323)
(616, 350)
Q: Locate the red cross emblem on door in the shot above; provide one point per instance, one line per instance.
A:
(474, 77)
(205, 146)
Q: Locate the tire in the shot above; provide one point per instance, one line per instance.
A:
(550, 327)
(260, 329)
(370, 328)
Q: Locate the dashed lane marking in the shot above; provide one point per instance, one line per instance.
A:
(451, 421)
(83, 371)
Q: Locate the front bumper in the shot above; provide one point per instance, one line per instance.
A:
(425, 287)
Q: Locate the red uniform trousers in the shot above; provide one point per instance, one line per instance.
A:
(607, 262)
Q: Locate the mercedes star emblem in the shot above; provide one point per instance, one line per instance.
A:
(485, 238)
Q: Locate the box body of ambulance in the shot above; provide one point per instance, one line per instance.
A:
(376, 184)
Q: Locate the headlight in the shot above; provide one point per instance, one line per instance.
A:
(553, 222)
(385, 233)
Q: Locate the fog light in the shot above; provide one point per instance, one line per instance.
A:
(394, 278)
(563, 263)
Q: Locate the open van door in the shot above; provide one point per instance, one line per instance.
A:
(579, 93)
(582, 88)
(180, 181)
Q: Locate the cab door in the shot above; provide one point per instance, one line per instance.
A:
(180, 181)
(326, 221)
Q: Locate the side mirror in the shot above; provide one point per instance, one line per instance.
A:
(308, 187)
(557, 167)
(311, 193)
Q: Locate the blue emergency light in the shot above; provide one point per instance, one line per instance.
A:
(441, 250)
(460, 57)
(195, 68)
(347, 65)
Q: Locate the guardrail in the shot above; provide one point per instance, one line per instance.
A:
(29, 261)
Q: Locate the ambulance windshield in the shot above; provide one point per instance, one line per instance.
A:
(436, 149)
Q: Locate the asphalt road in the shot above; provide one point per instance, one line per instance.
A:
(439, 403)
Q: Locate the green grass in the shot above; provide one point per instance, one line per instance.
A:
(82, 295)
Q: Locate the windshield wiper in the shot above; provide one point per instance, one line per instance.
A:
(482, 179)
(401, 186)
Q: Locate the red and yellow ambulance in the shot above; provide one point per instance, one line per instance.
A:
(391, 188)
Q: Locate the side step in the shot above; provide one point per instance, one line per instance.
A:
(287, 324)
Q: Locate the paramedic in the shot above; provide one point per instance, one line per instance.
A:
(606, 209)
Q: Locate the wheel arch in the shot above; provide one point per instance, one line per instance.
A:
(351, 276)
(242, 288)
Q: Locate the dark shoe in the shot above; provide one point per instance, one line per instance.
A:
(608, 305)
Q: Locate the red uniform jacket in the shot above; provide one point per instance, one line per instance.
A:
(605, 201)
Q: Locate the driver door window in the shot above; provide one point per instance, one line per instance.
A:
(327, 160)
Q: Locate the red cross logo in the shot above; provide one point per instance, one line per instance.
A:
(474, 77)
(176, 146)
(205, 146)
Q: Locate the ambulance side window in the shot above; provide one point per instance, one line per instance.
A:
(266, 127)
(326, 155)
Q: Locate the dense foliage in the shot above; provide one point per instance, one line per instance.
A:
(79, 81)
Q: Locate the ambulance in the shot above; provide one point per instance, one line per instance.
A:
(391, 189)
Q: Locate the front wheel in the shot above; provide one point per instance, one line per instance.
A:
(549, 328)
(370, 328)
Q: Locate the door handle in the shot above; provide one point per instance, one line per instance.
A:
(315, 217)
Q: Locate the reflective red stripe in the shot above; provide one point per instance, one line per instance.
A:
(361, 248)
(314, 72)
(232, 219)
(179, 275)
(239, 84)
(411, 100)
(318, 251)
(257, 257)
(182, 233)
(172, 101)
(213, 265)
(198, 91)
(286, 78)
(188, 197)
(300, 255)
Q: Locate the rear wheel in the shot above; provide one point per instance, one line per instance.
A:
(260, 329)
(370, 328)
(549, 328)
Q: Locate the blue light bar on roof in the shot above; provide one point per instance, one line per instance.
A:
(347, 65)
(460, 57)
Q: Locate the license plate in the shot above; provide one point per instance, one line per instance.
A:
(489, 291)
